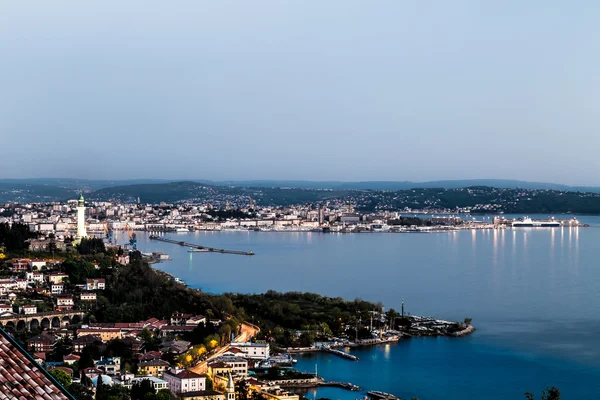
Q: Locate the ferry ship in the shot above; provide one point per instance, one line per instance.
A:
(530, 223)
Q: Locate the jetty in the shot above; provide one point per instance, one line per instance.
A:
(340, 353)
(375, 394)
(201, 248)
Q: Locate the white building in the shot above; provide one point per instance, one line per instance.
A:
(57, 277)
(95, 284)
(28, 309)
(34, 276)
(57, 288)
(5, 308)
(64, 302)
(87, 296)
(37, 264)
(182, 381)
(238, 365)
(254, 351)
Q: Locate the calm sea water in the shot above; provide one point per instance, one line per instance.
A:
(533, 294)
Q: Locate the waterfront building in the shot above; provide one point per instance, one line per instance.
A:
(254, 351)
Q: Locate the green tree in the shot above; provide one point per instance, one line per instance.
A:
(100, 395)
(164, 394)
(81, 392)
(141, 388)
(62, 377)
(91, 246)
(468, 321)
(325, 330)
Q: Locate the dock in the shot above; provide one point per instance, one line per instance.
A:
(340, 353)
(202, 248)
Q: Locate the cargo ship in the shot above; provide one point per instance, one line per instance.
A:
(530, 223)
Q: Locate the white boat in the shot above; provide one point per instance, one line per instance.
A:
(530, 223)
(182, 230)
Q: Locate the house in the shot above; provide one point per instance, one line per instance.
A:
(134, 344)
(196, 320)
(57, 277)
(175, 346)
(95, 284)
(19, 371)
(5, 308)
(57, 288)
(150, 355)
(42, 343)
(211, 394)
(34, 277)
(105, 334)
(39, 358)
(178, 318)
(218, 368)
(87, 340)
(37, 264)
(21, 284)
(64, 302)
(28, 309)
(153, 367)
(71, 359)
(110, 366)
(124, 259)
(181, 381)
(19, 265)
(87, 296)
(239, 365)
(157, 383)
(254, 351)
(175, 329)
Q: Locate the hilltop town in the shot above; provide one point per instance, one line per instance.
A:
(101, 320)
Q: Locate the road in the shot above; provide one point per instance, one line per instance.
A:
(248, 331)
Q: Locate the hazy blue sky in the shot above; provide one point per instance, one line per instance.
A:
(319, 90)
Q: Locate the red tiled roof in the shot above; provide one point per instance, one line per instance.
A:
(187, 374)
(22, 378)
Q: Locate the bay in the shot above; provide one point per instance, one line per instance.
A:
(533, 294)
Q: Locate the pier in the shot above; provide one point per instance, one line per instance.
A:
(201, 248)
(340, 353)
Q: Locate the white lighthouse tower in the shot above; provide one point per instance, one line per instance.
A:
(81, 233)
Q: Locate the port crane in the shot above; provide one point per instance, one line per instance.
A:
(108, 233)
(132, 236)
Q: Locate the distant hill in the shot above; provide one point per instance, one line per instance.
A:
(403, 185)
(92, 185)
(474, 195)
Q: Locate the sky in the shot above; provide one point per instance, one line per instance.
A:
(313, 90)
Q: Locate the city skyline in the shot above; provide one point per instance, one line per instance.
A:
(300, 91)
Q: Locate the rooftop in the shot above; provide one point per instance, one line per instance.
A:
(22, 378)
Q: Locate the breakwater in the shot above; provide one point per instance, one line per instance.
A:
(201, 248)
